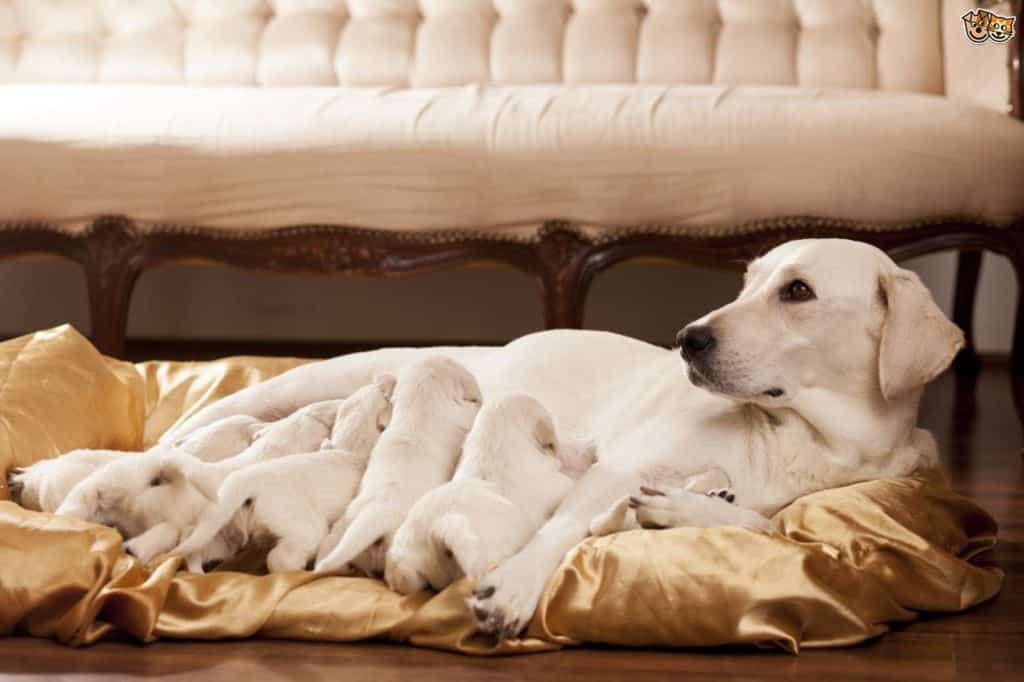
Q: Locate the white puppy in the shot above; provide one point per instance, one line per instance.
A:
(221, 439)
(513, 473)
(135, 493)
(434, 405)
(293, 501)
(44, 485)
(302, 431)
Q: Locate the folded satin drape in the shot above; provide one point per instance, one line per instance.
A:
(840, 565)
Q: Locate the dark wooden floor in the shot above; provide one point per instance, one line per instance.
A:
(981, 441)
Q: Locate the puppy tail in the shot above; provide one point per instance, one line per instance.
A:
(371, 525)
(206, 477)
(453, 533)
(233, 495)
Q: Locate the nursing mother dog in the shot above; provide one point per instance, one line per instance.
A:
(810, 379)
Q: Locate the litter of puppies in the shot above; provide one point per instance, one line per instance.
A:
(414, 478)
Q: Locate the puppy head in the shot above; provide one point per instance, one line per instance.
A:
(440, 381)
(822, 314)
(517, 435)
(132, 495)
(401, 574)
(363, 416)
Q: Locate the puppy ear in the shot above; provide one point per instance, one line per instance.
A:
(471, 389)
(545, 435)
(108, 499)
(384, 418)
(918, 341)
(386, 383)
(169, 473)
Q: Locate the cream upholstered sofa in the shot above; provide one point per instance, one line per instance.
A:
(554, 136)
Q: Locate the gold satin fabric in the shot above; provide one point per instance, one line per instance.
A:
(840, 566)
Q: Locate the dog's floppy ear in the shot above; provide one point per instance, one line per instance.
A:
(918, 341)
(545, 435)
(384, 418)
(386, 383)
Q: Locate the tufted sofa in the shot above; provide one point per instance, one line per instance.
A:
(559, 137)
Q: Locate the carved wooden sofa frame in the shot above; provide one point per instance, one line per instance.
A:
(563, 258)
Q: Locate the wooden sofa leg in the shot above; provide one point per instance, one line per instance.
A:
(968, 272)
(112, 267)
(564, 274)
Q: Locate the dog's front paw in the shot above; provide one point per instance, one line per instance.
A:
(657, 509)
(504, 601)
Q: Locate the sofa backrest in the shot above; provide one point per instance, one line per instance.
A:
(884, 44)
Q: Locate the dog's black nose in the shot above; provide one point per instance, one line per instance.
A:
(695, 339)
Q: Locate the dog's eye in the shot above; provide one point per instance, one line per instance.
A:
(157, 480)
(797, 291)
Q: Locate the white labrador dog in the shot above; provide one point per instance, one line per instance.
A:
(292, 501)
(811, 379)
(433, 408)
(514, 471)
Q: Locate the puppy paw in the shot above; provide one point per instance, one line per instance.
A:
(655, 509)
(504, 601)
(726, 494)
(619, 518)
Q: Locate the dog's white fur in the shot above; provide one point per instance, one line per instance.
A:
(301, 431)
(149, 498)
(135, 493)
(293, 500)
(44, 485)
(433, 408)
(514, 471)
(222, 439)
(851, 363)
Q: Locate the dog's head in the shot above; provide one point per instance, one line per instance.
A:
(821, 315)
(135, 493)
(363, 416)
(440, 381)
(520, 425)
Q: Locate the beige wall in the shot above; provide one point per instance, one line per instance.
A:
(646, 301)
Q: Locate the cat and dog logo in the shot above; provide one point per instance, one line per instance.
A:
(981, 25)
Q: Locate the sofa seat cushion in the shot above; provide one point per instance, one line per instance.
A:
(472, 157)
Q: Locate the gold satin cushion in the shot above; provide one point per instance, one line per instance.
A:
(840, 566)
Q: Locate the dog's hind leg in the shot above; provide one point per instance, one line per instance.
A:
(159, 539)
(334, 536)
(372, 524)
(299, 537)
(452, 533)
